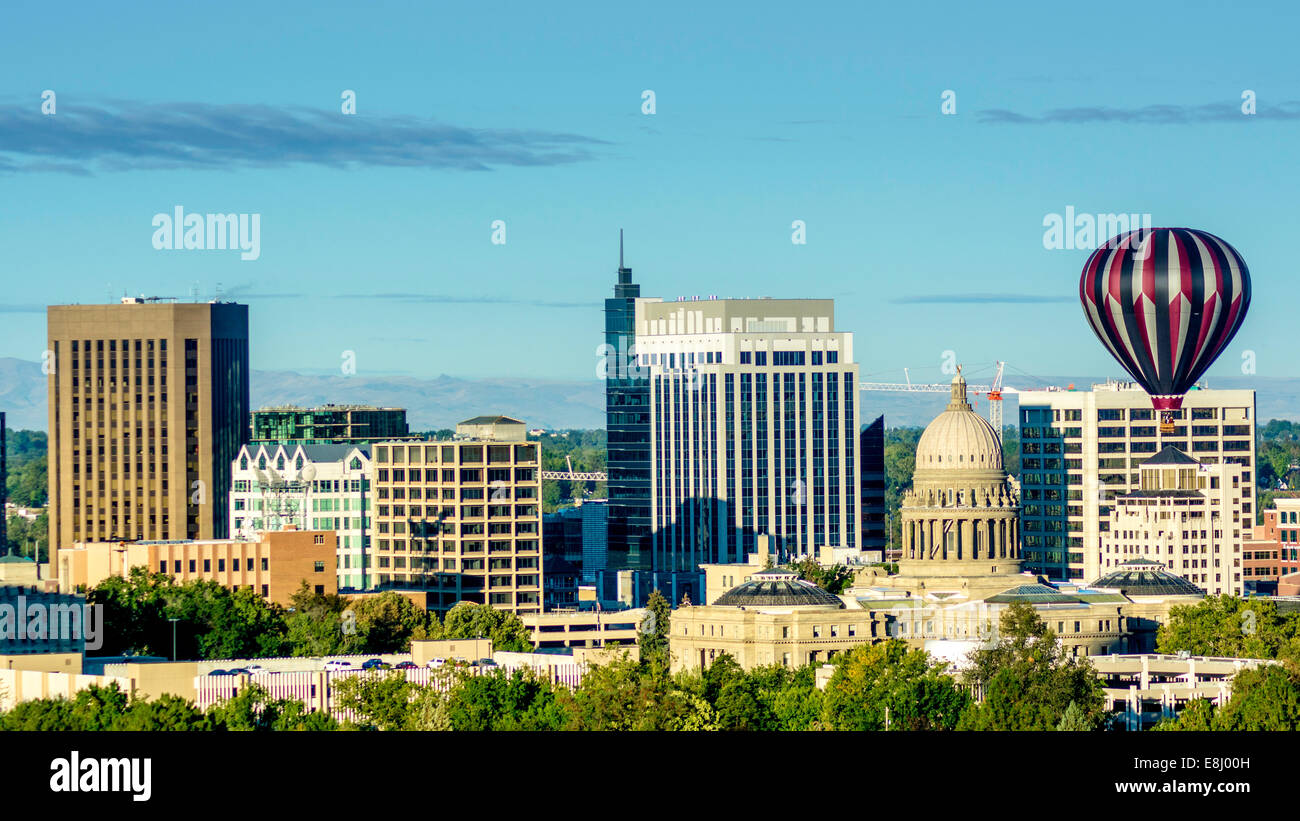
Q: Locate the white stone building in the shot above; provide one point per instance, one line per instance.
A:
(316, 487)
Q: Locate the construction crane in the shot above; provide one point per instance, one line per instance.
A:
(993, 392)
(573, 477)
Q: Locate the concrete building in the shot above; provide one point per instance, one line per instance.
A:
(1186, 515)
(1266, 559)
(772, 618)
(329, 424)
(960, 570)
(586, 628)
(274, 565)
(462, 518)
(314, 487)
(754, 427)
(148, 404)
(1079, 449)
(960, 518)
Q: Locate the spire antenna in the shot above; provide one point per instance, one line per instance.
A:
(620, 248)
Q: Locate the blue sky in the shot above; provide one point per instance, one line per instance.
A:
(376, 229)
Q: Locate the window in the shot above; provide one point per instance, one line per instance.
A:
(319, 568)
(320, 538)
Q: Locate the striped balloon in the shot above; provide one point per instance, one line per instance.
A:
(1165, 302)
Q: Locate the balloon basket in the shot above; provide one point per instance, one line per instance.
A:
(1166, 422)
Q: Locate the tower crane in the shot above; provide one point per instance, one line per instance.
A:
(993, 392)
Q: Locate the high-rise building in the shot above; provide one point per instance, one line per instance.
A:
(875, 533)
(753, 425)
(627, 430)
(148, 405)
(313, 487)
(329, 424)
(462, 519)
(1079, 449)
(1185, 515)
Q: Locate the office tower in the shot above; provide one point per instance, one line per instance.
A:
(313, 487)
(1079, 449)
(627, 429)
(875, 533)
(330, 424)
(562, 557)
(1187, 516)
(148, 406)
(754, 428)
(462, 519)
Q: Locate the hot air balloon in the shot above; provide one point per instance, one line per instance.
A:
(1165, 302)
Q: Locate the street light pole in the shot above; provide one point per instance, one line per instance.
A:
(173, 621)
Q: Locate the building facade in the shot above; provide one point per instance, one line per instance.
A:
(274, 565)
(875, 525)
(148, 404)
(313, 487)
(462, 518)
(1080, 449)
(960, 518)
(328, 424)
(1187, 516)
(753, 426)
(627, 429)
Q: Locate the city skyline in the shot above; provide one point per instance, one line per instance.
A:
(924, 248)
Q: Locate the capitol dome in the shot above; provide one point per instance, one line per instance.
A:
(959, 438)
(778, 588)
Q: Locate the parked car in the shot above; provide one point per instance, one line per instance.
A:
(219, 673)
(375, 664)
(405, 665)
(257, 670)
(487, 663)
(239, 671)
(434, 664)
(334, 666)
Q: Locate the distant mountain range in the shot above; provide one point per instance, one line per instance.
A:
(443, 401)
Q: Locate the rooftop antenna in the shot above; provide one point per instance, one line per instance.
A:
(620, 248)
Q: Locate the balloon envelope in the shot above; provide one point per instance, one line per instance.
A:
(1165, 302)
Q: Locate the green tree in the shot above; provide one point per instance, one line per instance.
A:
(653, 636)
(832, 579)
(387, 622)
(1027, 682)
(381, 702)
(1227, 626)
(254, 709)
(317, 626)
(624, 695)
(468, 620)
(881, 686)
